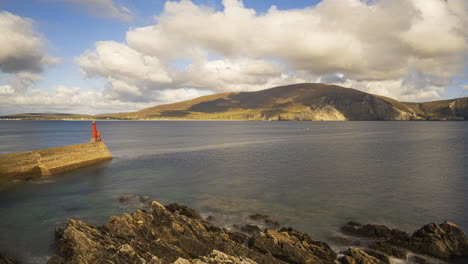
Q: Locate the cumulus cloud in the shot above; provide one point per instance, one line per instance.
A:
(64, 99)
(407, 49)
(22, 48)
(22, 56)
(105, 8)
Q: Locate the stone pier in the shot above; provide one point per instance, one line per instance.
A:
(29, 165)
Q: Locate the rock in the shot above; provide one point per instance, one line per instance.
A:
(358, 256)
(160, 236)
(258, 217)
(446, 240)
(442, 241)
(272, 223)
(389, 249)
(266, 219)
(145, 199)
(292, 246)
(183, 210)
(251, 229)
(216, 257)
(5, 259)
(374, 231)
(378, 255)
(124, 198)
(238, 237)
(420, 260)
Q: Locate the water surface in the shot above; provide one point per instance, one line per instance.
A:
(313, 176)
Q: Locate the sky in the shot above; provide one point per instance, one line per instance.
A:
(102, 56)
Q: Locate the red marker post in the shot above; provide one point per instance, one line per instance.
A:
(95, 134)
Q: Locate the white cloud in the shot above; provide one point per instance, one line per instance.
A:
(105, 8)
(407, 49)
(22, 54)
(22, 48)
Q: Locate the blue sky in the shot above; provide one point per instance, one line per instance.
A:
(69, 32)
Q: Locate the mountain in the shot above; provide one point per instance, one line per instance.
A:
(307, 101)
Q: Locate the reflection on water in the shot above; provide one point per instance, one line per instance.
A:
(311, 175)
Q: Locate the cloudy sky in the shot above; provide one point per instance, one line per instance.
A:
(98, 56)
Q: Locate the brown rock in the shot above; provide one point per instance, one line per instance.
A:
(374, 231)
(161, 236)
(446, 240)
(389, 249)
(292, 246)
(5, 259)
(357, 256)
(251, 229)
(183, 210)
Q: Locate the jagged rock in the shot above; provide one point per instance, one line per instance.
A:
(446, 240)
(216, 257)
(258, 217)
(251, 229)
(374, 231)
(238, 237)
(377, 255)
(158, 237)
(292, 246)
(5, 259)
(389, 249)
(357, 256)
(443, 241)
(271, 223)
(183, 210)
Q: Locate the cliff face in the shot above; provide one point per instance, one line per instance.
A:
(23, 166)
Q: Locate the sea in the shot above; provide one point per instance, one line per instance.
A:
(313, 176)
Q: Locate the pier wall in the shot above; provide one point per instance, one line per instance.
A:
(28, 165)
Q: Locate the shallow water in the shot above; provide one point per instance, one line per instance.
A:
(313, 176)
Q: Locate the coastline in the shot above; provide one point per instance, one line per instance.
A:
(178, 234)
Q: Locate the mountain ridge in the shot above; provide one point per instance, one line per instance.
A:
(304, 101)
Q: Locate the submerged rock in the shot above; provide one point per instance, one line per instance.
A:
(5, 259)
(258, 217)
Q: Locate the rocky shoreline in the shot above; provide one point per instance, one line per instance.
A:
(177, 234)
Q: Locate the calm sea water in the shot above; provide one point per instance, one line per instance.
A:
(313, 176)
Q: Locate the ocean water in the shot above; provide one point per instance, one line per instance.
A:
(314, 176)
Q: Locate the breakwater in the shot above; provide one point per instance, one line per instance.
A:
(29, 165)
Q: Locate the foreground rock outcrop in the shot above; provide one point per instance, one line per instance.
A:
(178, 234)
(443, 241)
(168, 233)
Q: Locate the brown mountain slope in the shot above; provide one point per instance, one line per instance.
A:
(292, 102)
(306, 101)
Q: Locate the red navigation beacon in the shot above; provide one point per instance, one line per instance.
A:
(95, 134)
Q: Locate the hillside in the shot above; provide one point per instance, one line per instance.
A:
(305, 101)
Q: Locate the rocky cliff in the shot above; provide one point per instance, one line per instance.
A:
(28, 165)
